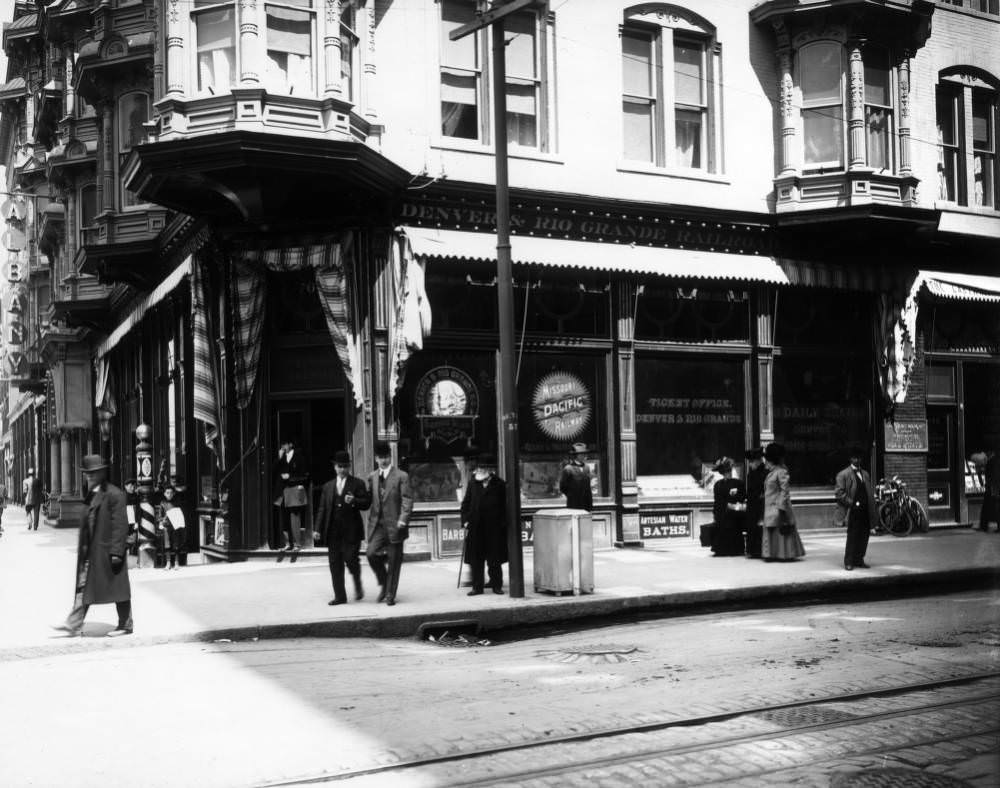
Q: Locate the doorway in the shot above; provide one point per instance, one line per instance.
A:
(942, 468)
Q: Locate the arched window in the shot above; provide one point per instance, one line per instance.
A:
(967, 153)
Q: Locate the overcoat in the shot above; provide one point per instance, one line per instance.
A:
(574, 483)
(845, 488)
(393, 505)
(338, 522)
(484, 512)
(777, 498)
(102, 535)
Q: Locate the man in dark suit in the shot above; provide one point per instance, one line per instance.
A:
(855, 509)
(388, 523)
(291, 479)
(338, 523)
(101, 570)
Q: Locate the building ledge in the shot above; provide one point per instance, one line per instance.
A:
(843, 189)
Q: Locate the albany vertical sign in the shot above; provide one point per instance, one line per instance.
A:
(15, 302)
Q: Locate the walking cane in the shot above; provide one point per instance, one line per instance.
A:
(465, 541)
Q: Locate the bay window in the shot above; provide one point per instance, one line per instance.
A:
(878, 108)
(348, 50)
(461, 74)
(821, 71)
(289, 46)
(215, 34)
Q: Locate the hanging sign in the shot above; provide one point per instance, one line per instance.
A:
(16, 364)
(14, 333)
(14, 270)
(561, 405)
(447, 405)
(17, 300)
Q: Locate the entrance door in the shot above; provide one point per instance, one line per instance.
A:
(942, 471)
(317, 426)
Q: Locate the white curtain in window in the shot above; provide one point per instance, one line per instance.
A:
(687, 139)
(216, 69)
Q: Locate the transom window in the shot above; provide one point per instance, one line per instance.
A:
(668, 59)
(465, 93)
(967, 110)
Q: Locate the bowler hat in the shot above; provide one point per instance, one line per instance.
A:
(93, 462)
(382, 449)
(755, 453)
(341, 458)
(486, 460)
(130, 481)
(578, 448)
(774, 452)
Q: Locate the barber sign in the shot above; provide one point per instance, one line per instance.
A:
(561, 405)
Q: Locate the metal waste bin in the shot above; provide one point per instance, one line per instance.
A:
(563, 551)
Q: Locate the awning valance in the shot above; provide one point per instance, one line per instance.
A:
(161, 291)
(433, 243)
(963, 287)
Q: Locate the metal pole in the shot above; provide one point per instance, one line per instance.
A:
(505, 305)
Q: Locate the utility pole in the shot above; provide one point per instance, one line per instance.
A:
(494, 19)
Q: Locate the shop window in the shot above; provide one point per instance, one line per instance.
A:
(686, 314)
(941, 381)
(447, 404)
(462, 303)
(133, 113)
(822, 318)
(562, 400)
(821, 409)
(465, 92)
(689, 412)
(296, 307)
(959, 142)
(667, 97)
(970, 328)
(547, 307)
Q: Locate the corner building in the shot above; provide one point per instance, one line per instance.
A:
(732, 223)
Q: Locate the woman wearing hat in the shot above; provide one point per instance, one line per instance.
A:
(730, 511)
(756, 474)
(781, 538)
(484, 516)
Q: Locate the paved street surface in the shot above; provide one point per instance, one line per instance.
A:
(265, 599)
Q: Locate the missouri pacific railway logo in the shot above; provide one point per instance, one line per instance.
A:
(561, 405)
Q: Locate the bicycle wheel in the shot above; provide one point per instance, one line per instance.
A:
(918, 515)
(894, 519)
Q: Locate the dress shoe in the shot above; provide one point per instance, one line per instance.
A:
(863, 565)
(391, 601)
(849, 567)
(337, 602)
(381, 594)
(475, 592)
(117, 632)
(359, 595)
(497, 590)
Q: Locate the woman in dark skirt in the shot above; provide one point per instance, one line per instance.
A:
(730, 511)
(484, 515)
(755, 501)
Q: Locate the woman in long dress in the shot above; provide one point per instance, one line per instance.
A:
(781, 537)
(730, 511)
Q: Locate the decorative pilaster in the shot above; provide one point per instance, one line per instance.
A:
(904, 115)
(331, 51)
(369, 68)
(55, 475)
(250, 53)
(175, 49)
(786, 102)
(856, 109)
(107, 181)
(626, 295)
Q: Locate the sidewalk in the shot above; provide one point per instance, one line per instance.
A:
(267, 600)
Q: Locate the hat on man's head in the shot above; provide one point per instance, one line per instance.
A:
(341, 458)
(130, 481)
(723, 465)
(855, 451)
(382, 449)
(756, 453)
(484, 460)
(578, 448)
(774, 452)
(93, 462)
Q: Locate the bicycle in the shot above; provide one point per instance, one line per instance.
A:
(898, 513)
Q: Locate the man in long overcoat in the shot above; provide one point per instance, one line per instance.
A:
(574, 479)
(856, 509)
(484, 516)
(101, 568)
(338, 523)
(388, 522)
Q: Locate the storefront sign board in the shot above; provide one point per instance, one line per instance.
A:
(665, 524)
(451, 536)
(906, 436)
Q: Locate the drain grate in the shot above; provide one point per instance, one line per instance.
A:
(896, 778)
(600, 654)
(806, 715)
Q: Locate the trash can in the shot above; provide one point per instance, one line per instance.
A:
(563, 551)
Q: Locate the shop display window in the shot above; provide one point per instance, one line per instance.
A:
(823, 319)
(447, 404)
(562, 400)
(579, 308)
(689, 412)
(462, 303)
(821, 409)
(692, 314)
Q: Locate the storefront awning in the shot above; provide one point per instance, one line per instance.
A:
(432, 243)
(962, 287)
(161, 291)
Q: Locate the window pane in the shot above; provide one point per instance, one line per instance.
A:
(688, 72)
(134, 110)
(459, 115)
(877, 77)
(819, 72)
(289, 31)
(946, 117)
(823, 130)
(522, 115)
(637, 64)
(461, 53)
(877, 125)
(982, 121)
(687, 138)
(638, 130)
(521, 51)
(88, 205)
(984, 179)
(216, 49)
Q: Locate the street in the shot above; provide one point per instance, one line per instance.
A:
(256, 713)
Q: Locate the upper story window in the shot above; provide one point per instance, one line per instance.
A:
(289, 38)
(465, 93)
(87, 206)
(133, 113)
(215, 34)
(668, 95)
(348, 50)
(878, 109)
(967, 114)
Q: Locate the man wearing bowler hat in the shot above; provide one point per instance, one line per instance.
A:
(101, 569)
(388, 523)
(338, 523)
(574, 481)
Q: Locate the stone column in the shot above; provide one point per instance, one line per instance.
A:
(856, 149)
(369, 63)
(786, 102)
(331, 51)
(905, 167)
(250, 54)
(55, 466)
(176, 19)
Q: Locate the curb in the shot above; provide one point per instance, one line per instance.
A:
(582, 610)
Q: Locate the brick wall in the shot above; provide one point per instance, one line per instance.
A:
(912, 468)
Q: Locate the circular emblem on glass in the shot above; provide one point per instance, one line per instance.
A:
(447, 404)
(561, 405)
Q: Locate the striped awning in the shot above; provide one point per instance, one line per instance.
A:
(961, 287)
(431, 243)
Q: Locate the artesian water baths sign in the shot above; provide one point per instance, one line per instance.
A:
(561, 405)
